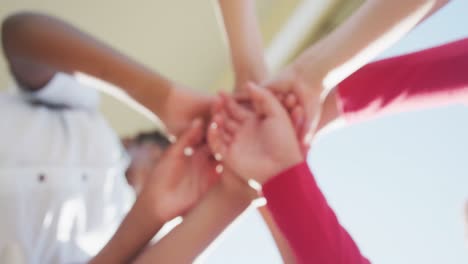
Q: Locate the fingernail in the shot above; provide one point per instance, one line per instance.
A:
(218, 157)
(254, 184)
(188, 151)
(308, 138)
(214, 125)
(219, 168)
(172, 138)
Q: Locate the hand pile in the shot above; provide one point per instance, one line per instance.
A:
(252, 136)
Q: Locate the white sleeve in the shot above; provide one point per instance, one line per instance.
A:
(65, 90)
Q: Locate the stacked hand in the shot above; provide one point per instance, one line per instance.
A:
(300, 96)
(255, 142)
(257, 135)
(184, 173)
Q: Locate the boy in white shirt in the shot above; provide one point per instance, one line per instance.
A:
(63, 191)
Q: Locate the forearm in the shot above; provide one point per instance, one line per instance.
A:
(52, 43)
(306, 220)
(247, 55)
(283, 246)
(200, 227)
(245, 41)
(416, 81)
(374, 27)
(134, 233)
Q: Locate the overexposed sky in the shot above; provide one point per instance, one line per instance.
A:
(398, 183)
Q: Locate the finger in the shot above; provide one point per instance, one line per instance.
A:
(263, 100)
(241, 96)
(310, 124)
(217, 106)
(280, 85)
(210, 176)
(290, 100)
(215, 138)
(279, 96)
(227, 138)
(297, 116)
(305, 134)
(304, 149)
(223, 121)
(190, 138)
(231, 126)
(234, 110)
(204, 109)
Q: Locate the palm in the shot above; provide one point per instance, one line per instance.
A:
(249, 149)
(179, 181)
(256, 143)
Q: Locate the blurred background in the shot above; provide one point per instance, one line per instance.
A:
(398, 184)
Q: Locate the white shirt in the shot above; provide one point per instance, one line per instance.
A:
(62, 186)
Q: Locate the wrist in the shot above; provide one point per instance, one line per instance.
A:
(294, 160)
(236, 189)
(280, 166)
(151, 204)
(166, 100)
(258, 74)
(285, 168)
(311, 71)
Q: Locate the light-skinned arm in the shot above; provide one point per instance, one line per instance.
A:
(374, 27)
(249, 64)
(244, 40)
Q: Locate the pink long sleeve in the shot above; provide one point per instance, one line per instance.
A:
(428, 78)
(308, 223)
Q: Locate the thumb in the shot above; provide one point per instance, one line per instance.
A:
(190, 137)
(263, 100)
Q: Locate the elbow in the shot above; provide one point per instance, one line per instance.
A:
(12, 28)
(12, 23)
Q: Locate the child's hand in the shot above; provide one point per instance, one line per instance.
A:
(256, 143)
(301, 97)
(183, 175)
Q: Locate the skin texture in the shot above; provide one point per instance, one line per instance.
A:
(173, 187)
(245, 42)
(256, 131)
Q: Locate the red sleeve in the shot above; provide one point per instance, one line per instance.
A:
(308, 223)
(428, 78)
